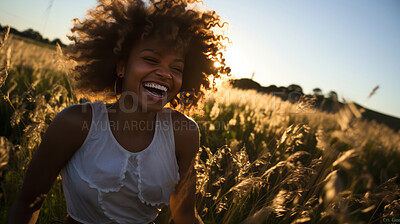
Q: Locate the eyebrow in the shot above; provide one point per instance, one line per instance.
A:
(155, 52)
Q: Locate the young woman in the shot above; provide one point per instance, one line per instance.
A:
(122, 162)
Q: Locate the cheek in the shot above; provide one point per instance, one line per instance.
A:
(178, 84)
(139, 69)
(136, 72)
(179, 81)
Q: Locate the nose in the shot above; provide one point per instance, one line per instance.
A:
(162, 72)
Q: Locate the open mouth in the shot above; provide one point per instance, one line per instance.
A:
(155, 89)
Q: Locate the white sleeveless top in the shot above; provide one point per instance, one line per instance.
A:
(105, 183)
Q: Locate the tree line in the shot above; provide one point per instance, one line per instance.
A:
(291, 92)
(33, 34)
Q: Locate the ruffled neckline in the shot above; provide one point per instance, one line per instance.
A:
(119, 146)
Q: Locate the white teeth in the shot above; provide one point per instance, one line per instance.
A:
(156, 86)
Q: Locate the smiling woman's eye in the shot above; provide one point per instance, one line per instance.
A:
(150, 59)
(178, 69)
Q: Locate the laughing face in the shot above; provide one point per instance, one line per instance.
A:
(152, 75)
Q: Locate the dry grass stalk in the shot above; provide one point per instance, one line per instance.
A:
(259, 216)
(5, 37)
(5, 147)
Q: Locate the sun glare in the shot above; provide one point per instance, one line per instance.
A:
(238, 62)
(217, 64)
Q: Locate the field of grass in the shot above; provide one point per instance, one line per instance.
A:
(261, 160)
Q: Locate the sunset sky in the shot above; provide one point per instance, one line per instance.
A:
(348, 46)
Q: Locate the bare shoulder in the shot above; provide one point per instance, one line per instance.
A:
(183, 125)
(62, 138)
(186, 134)
(72, 124)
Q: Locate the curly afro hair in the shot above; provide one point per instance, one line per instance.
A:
(110, 30)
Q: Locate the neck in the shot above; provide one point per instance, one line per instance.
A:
(127, 111)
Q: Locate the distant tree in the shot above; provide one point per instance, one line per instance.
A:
(294, 93)
(271, 89)
(55, 41)
(14, 31)
(295, 88)
(30, 33)
(245, 84)
(317, 92)
(332, 95)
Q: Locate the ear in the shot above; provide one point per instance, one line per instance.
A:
(120, 69)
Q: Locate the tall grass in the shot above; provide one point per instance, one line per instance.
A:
(261, 160)
(284, 164)
(32, 95)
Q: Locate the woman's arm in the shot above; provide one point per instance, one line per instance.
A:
(64, 136)
(182, 201)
